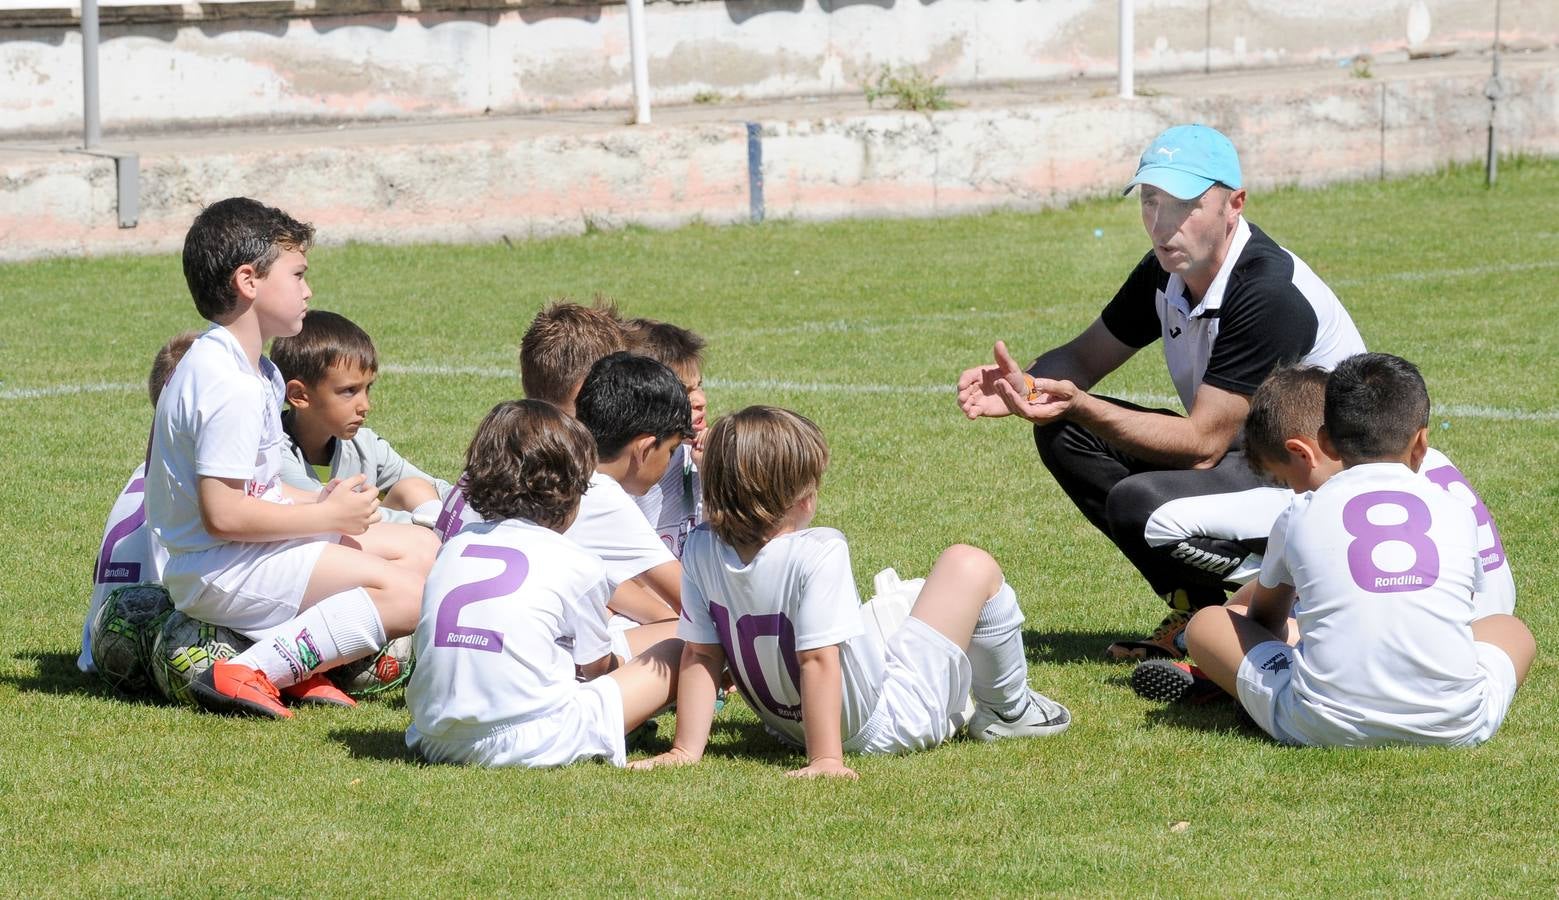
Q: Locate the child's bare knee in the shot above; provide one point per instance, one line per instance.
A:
(1204, 627)
(972, 565)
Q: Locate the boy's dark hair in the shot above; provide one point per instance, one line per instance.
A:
(326, 339)
(166, 360)
(1375, 404)
(757, 464)
(528, 460)
(563, 342)
(669, 344)
(626, 396)
(231, 233)
(1288, 404)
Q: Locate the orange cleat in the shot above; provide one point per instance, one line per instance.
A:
(317, 690)
(229, 687)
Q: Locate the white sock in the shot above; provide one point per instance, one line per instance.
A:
(996, 658)
(337, 629)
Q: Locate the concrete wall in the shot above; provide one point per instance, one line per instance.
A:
(332, 61)
(512, 180)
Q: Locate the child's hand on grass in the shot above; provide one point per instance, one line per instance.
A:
(676, 756)
(826, 767)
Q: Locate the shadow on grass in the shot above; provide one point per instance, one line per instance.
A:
(384, 744)
(1067, 646)
(56, 673)
(1221, 716)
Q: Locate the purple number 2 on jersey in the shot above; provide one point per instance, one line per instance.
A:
(109, 571)
(448, 632)
(744, 648)
(1413, 531)
(1493, 556)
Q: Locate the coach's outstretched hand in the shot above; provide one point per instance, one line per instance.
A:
(978, 391)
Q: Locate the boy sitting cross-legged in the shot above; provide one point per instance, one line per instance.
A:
(128, 554)
(513, 606)
(1283, 443)
(776, 599)
(330, 367)
(1379, 568)
(246, 551)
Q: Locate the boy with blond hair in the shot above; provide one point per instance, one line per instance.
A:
(128, 555)
(776, 599)
(1379, 568)
(246, 551)
(330, 368)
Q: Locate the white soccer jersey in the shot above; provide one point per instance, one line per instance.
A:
(1384, 566)
(609, 525)
(128, 555)
(218, 418)
(797, 594)
(612, 527)
(1499, 586)
(674, 505)
(499, 602)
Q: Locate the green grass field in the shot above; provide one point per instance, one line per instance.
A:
(862, 326)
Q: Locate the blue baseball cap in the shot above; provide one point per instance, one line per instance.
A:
(1187, 160)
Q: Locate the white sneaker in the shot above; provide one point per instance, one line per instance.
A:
(1043, 716)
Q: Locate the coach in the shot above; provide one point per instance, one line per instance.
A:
(1174, 492)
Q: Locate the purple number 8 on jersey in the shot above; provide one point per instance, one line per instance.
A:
(448, 632)
(1413, 531)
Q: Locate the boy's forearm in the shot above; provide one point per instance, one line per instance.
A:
(235, 516)
(697, 686)
(822, 702)
(665, 580)
(635, 601)
(410, 493)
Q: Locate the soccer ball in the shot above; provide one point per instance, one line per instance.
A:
(184, 648)
(122, 633)
(371, 675)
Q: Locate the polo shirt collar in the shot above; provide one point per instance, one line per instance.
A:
(1213, 299)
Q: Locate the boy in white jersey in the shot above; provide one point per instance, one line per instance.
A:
(330, 367)
(1379, 567)
(128, 554)
(513, 606)
(1283, 443)
(673, 504)
(244, 550)
(776, 598)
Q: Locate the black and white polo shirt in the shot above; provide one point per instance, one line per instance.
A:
(1264, 309)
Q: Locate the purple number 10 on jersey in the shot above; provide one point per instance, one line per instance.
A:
(742, 647)
(448, 632)
(1413, 531)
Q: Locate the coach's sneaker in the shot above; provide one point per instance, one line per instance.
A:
(317, 690)
(1166, 642)
(230, 687)
(1043, 716)
(1172, 681)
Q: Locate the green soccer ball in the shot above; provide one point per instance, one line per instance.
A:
(386, 670)
(184, 648)
(122, 634)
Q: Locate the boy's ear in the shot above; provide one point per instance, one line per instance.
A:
(1302, 450)
(1418, 449)
(245, 281)
(642, 446)
(297, 394)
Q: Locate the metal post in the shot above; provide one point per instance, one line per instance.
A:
(91, 125)
(1124, 50)
(1493, 91)
(639, 55)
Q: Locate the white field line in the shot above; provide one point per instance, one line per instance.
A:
(1436, 274)
(776, 385)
